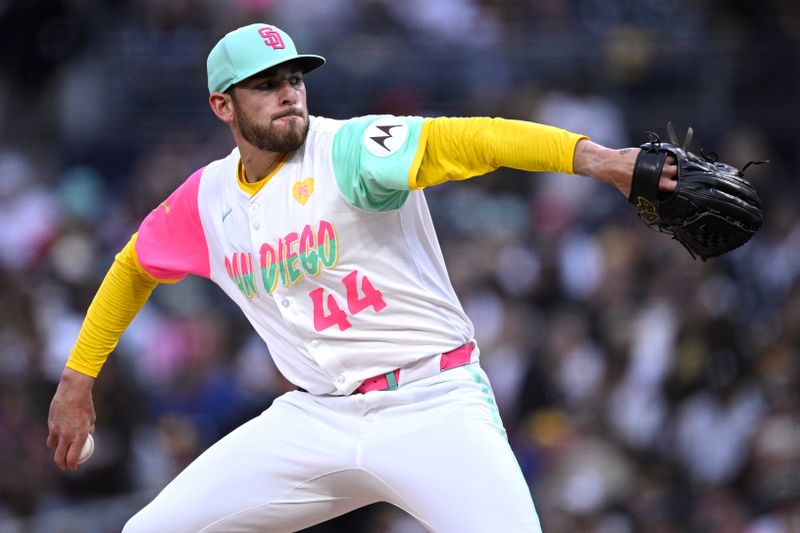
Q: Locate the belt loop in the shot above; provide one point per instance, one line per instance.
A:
(391, 379)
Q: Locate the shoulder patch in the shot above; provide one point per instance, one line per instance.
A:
(385, 136)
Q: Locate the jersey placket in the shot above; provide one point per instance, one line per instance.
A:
(284, 297)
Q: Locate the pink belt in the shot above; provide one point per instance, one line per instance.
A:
(391, 380)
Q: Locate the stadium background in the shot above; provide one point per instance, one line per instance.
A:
(642, 390)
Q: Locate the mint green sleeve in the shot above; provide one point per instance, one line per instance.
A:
(373, 157)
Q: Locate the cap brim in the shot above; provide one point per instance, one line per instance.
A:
(307, 63)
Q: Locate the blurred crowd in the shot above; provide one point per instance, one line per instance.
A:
(642, 390)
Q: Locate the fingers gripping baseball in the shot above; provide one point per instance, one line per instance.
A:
(71, 419)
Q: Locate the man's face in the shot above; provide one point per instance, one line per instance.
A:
(270, 109)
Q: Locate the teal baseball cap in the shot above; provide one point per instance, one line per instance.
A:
(249, 50)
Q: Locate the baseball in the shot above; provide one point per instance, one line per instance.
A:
(87, 450)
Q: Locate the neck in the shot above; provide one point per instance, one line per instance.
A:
(258, 163)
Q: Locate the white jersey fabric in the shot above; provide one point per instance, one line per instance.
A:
(334, 260)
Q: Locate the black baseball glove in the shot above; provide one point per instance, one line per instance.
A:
(713, 209)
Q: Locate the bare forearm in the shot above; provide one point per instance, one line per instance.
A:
(615, 166)
(612, 166)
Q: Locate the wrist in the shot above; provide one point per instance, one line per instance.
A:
(605, 164)
(76, 380)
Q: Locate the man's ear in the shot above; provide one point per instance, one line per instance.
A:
(222, 106)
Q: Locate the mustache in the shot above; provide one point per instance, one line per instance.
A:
(288, 113)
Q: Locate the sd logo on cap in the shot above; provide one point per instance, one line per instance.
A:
(249, 50)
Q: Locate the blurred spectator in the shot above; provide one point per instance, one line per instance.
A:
(714, 427)
(29, 214)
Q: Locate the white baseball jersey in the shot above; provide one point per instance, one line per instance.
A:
(334, 260)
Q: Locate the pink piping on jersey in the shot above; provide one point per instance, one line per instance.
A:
(171, 242)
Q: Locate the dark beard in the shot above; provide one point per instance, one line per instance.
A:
(265, 138)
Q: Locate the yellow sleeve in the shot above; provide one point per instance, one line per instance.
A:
(460, 148)
(122, 294)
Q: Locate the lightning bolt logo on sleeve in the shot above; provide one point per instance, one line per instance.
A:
(382, 139)
(385, 136)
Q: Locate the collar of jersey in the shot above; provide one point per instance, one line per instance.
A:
(253, 188)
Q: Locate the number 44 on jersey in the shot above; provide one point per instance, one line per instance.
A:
(335, 315)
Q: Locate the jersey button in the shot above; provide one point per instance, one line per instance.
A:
(340, 379)
(256, 226)
(315, 343)
(285, 302)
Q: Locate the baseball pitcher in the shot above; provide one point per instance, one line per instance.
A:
(318, 229)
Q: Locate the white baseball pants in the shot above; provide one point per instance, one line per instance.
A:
(434, 447)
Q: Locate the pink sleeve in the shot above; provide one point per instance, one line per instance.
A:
(171, 243)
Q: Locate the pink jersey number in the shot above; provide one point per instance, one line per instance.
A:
(335, 315)
(355, 304)
(372, 296)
